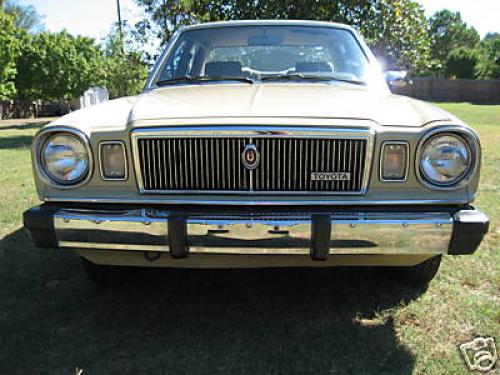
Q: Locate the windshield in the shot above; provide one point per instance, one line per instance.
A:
(266, 52)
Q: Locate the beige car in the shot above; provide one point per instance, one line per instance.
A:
(260, 144)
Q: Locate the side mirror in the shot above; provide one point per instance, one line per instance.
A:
(396, 78)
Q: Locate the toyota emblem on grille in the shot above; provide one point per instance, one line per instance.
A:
(250, 157)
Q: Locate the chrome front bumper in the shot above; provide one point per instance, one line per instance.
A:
(318, 235)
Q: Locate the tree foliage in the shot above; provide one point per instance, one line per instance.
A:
(396, 29)
(489, 65)
(55, 66)
(9, 46)
(26, 17)
(461, 63)
(125, 70)
(449, 32)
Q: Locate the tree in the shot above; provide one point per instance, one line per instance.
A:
(125, 68)
(55, 66)
(396, 29)
(449, 32)
(398, 32)
(461, 63)
(9, 47)
(489, 64)
(26, 17)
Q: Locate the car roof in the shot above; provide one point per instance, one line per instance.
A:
(208, 25)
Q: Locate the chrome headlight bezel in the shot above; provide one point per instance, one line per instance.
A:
(39, 143)
(470, 140)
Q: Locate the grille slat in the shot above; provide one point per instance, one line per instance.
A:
(344, 159)
(214, 164)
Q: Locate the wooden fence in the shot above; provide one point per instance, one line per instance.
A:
(452, 90)
(10, 109)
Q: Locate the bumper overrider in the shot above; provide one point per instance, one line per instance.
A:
(318, 235)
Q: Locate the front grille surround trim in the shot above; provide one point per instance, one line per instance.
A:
(250, 134)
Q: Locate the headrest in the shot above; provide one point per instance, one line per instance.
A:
(223, 68)
(312, 67)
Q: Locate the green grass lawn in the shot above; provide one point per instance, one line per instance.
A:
(350, 321)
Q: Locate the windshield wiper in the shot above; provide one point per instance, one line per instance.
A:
(274, 77)
(307, 77)
(203, 79)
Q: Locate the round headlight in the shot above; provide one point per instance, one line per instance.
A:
(64, 158)
(445, 159)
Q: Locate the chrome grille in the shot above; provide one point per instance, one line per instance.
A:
(213, 164)
(205, 164)
(287, 164)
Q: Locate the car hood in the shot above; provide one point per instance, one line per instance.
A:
(269, 100)
(315, 100)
